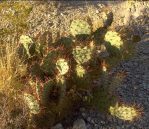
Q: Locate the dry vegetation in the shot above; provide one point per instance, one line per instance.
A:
(13, 113)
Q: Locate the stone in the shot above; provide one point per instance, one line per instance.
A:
(58, 126)
(79, 124)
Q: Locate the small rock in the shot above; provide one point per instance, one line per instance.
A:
(79, 124)
(89, 119)
(58, 126)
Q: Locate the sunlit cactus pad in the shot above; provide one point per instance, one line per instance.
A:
(62, 66)
(32, 103)
(82, 55)
(114, 39)
(124, 112)
(80, 71)
(79, 27)
(26, 41)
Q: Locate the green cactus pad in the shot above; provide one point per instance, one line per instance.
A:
(62, 66)
(54, 64)
(78, 27)
(82, 55)
(32, 103)
(49, 63)
(114, 39)
(80, 71)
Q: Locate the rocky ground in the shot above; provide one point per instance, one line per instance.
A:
(134, 88)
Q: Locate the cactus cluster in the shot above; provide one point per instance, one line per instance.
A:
(66, 72)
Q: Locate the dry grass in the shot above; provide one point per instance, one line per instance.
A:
(13, 114)
(12, 110)
(11, 67)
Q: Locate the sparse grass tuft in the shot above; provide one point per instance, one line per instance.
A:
(13, 113)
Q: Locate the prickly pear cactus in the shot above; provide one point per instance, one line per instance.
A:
(78, 27)
(82, 55)
(49, 65)
(32, 103)
(80, 71)
(114, 39)
(62, 66)
(26, 41)
(124, 112)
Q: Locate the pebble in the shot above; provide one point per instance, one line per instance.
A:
(79, 124)
(58, 126)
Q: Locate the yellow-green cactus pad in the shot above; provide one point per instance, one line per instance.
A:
(78, 27)
(82, 55)
(32, 103)
(62, 66)
(123, 112)
(114, 39)
(80, 71)
(26, 41)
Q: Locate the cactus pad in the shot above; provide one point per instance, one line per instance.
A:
(32, 103)
(80, 71)
(26, 41)
(124, 112)
(114, 39)
(82, 55)
(62, 66)
(78, 27)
